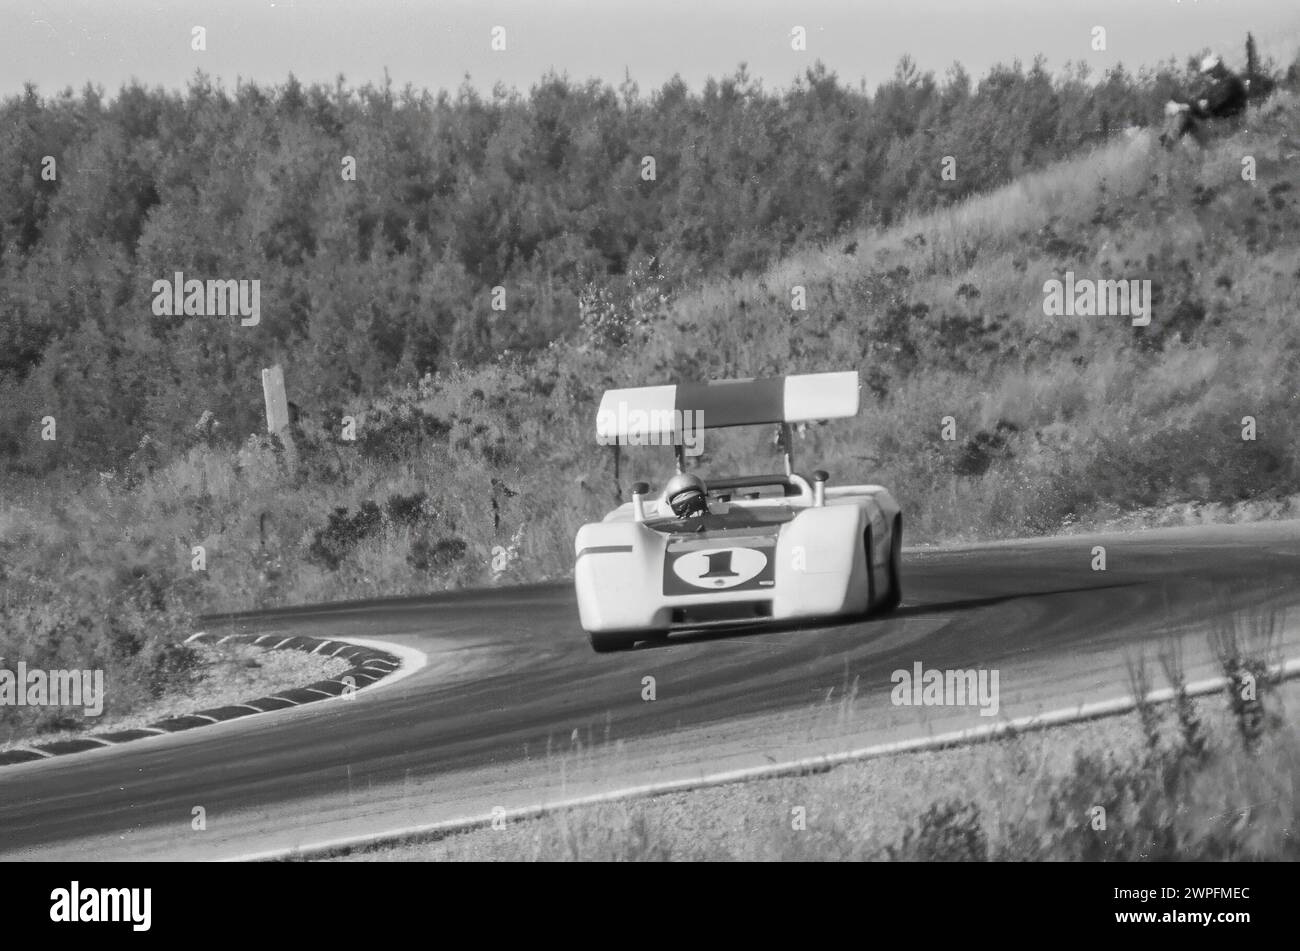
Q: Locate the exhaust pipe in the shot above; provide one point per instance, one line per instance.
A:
(639, 491)
(819, 487)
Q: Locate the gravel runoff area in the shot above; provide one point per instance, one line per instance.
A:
(228, 674)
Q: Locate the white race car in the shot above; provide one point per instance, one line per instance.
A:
(733, 551)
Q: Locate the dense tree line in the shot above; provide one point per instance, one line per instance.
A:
(390, 276)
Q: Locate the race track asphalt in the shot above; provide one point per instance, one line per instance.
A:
(513, 708)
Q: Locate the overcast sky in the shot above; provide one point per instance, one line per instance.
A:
(434, 43)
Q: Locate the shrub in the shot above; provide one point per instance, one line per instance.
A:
(331, 544)
(947, 832)
(439, 556)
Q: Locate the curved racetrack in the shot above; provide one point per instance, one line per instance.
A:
(513, 708)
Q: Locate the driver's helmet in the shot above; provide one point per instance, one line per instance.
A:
(686, 495)
(1211, 63)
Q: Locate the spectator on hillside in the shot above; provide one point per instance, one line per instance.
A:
(1222, 95)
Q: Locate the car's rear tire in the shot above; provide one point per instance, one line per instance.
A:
(895, 596)
(871, 574)
(603, 642)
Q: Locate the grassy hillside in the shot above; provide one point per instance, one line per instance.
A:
(379, 222)
(481, 476)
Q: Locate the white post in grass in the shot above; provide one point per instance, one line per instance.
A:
(277, 413)
(277, 404)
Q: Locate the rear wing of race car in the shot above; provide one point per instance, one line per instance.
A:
(677, 415)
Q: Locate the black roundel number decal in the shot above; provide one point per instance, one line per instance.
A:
(717, 568)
